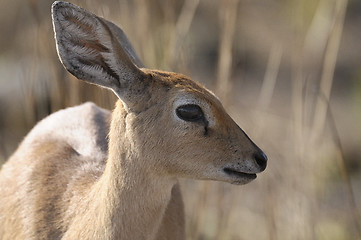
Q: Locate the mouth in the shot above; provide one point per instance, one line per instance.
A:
(241, 177)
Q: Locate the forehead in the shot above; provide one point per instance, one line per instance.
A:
(180, 82)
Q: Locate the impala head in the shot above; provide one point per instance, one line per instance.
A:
(182, 128)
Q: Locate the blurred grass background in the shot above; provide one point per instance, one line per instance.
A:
(288, 72)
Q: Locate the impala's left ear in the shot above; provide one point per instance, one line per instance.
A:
(97, 51)
(119, 34)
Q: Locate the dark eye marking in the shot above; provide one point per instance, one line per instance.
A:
(190, 113)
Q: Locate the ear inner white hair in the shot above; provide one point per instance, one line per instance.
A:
(91, 51)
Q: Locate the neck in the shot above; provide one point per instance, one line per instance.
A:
(129, 200)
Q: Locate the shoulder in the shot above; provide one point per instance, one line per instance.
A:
(84, 128)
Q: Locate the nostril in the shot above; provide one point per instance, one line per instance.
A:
(261, 159)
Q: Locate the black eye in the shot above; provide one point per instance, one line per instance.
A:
(190, 113)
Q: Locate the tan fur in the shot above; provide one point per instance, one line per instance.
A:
(68, 180)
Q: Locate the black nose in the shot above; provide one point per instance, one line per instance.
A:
(261, 159)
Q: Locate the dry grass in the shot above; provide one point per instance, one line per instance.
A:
(273, 63)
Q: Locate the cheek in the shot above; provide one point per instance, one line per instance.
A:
(196, 155)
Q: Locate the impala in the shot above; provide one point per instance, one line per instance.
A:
(86, 173)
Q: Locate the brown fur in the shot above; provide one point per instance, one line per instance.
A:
(69, 183)
(68, 180)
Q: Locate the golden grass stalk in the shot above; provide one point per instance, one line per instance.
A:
(328, 69)
(354, 210)
(181, 29)
(227, 23)
(270, 78)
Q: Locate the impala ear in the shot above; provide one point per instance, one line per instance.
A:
(97, 51)
(119, 34)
